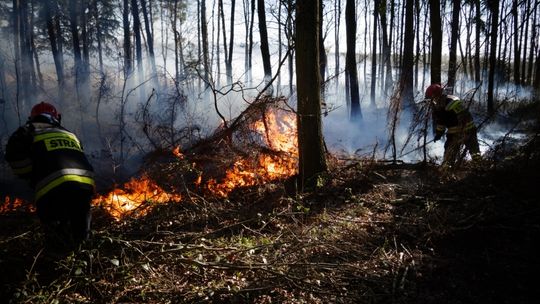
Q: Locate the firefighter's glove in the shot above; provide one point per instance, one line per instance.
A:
(437, 137)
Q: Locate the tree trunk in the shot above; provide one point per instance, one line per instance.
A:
(138, 39)
(53, 37)
(221, 25)
(407, 76)
(494, 7)
(536, 84)
(290, 31)
(525, 41)
(350, 61)
(323, 60)
(204, 34)
(534, 40)
(74, 25)
(228, 60)
(265, 51)
(250, 45)
(25, 51)
(388, 82)
(312, 161)
(478, 25)
(128, 62)
(517, 51)
(452, 61)
(99, 37)
(337, 20)
(374, 52)
(150, 41)
(436, 40)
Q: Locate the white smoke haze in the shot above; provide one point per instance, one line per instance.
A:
(113, 134)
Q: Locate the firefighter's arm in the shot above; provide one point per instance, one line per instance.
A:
(18, 153)
(438, 128)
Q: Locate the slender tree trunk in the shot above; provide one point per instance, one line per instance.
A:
(534, 41)
(517, 51)
(57, 56)
(138, 39)
(407, 76)
(524, 38)
(290, 31)
(128, 61)
(478, 24)
(417, 34)
(436, 40)
(99, 36)
(374, 53)
(204, 34)
(85, 40)
(337, 20)
(150, 41)
(386, 47)
(221, 17)
(323, 60)
(536, 83)
(452, 61)
(494, 7)
(79, 69)
(265, 51)
(229, 59)
(311, 155)
(350, 62)
(250, 45)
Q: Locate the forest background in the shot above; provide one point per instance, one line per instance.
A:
(134, 76)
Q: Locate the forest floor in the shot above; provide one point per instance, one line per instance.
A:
(374, 233)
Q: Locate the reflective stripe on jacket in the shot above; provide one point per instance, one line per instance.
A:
(52, 157)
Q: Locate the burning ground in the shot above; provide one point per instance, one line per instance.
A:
(222, 222)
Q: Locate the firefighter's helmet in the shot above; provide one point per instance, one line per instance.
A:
(45, 109)
(433, 91)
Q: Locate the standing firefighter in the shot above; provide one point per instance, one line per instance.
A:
(450, 115)
(52, 160)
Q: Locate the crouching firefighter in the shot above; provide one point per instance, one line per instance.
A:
(52, 159)
(450, 115)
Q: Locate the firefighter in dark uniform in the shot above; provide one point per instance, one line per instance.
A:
(52, 159)
(450, 115)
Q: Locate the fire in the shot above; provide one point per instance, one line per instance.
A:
(177, 152)
(15, 204)
(136, 196)
(278, 131)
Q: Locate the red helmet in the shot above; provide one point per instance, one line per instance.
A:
(44, 108)
(434, 90)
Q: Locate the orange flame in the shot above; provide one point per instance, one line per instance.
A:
(278, 131)
(15, 204)
(135, 197)
(177, 152)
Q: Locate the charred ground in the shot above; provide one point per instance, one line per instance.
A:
(374, 233)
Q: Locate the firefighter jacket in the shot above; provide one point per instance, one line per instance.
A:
(452, 116)
(47, 155)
